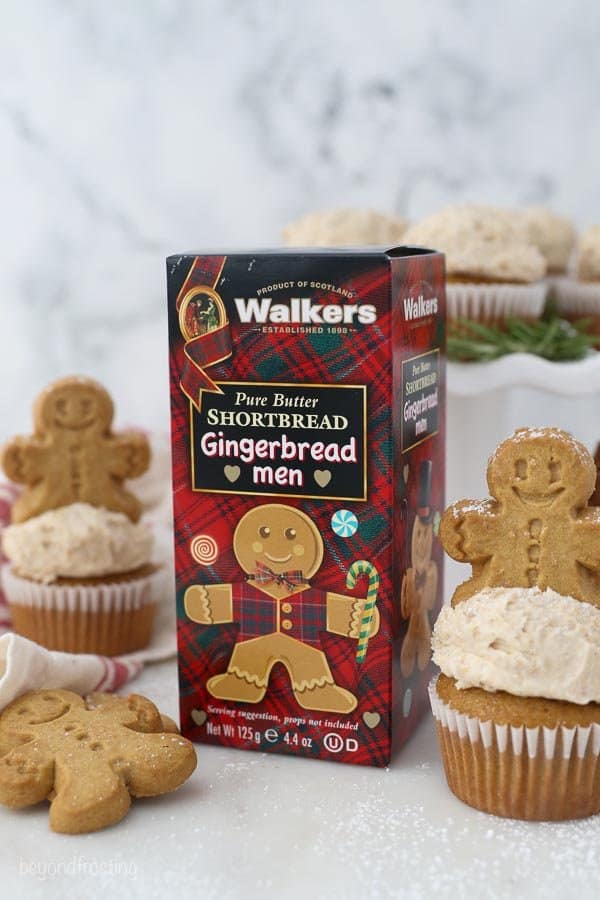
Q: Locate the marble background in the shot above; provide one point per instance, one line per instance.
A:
(136, 128)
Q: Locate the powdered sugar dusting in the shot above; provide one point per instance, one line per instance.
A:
(305, 828)
(522, 435)
(258, 826)
(525, 434)
(471, 506)
(463, 855)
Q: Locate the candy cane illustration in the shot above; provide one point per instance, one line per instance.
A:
(363, 567)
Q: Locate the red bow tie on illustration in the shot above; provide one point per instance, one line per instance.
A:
(264, 575)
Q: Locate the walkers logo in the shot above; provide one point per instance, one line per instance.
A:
(303, 311)
(419, 307)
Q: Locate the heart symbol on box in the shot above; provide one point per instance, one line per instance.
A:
(322, 477)
(406, 472)
(232, 473)
(371, 719)
(198, 716)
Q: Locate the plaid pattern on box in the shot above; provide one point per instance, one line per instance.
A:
(257, 613)
(351, 353)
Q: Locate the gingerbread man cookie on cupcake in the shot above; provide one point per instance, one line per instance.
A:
(73, 456)
(81, 577)
(518, 701)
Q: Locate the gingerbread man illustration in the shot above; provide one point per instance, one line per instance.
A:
(537, 529)
(281, 617)
(73, 455)
(419, 584)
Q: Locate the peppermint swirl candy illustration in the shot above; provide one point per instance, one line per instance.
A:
(204, 549)
(344, 523)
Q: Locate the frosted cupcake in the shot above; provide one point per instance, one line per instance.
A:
(493, 270)
(578, 295)
(344, 228)
(517, 705)
(80, 577)
(553, 235)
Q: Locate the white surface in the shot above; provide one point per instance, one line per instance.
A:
(525, 370)
(136, 128)
(252, 826)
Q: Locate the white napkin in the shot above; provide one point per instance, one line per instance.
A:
(25, 666)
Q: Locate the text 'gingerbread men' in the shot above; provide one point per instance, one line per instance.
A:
(537, 530)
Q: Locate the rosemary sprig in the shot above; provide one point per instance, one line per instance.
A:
(553, 338)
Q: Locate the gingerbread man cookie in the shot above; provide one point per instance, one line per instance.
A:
(537, 530)
(73, 455)
(87, 756)
(419, 584)
(281, 617)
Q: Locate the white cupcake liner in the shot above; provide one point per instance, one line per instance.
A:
(576, 299)
(108, 619)
(116, 596)
(492, 303)
(538, 774)
(576, 741)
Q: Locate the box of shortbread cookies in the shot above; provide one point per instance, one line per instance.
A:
(308, 416)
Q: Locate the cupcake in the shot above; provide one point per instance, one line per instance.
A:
(517, 703)
(80, 576)
(553, 235)
(344, 228)
(493, 270)
(578, 295)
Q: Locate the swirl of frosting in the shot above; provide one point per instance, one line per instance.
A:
(553, 235)
(77, 541)
(588, 255)
(343, 228)
(480, 243)
(527, 642)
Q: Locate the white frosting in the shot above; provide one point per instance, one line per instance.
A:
(481, 242)
(553, 235)
(588, 255)
(527, 642)
(344, 228)
(76, 541)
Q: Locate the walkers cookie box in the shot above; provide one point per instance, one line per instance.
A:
(308, 413)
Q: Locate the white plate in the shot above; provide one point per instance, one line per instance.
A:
(525, 370)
